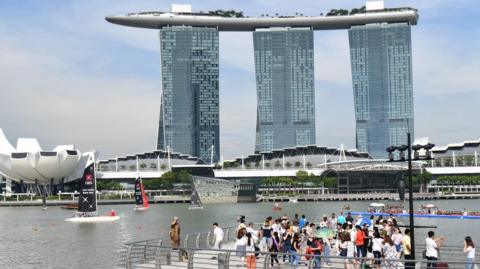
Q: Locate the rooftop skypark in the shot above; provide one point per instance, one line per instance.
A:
(232, 20)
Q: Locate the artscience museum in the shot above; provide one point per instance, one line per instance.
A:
(28, 163)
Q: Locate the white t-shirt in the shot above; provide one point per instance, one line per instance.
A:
(470, 252)
(431, 248)
(377, 244)
(218, 232)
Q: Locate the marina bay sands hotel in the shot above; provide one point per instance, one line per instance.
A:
(381, 64)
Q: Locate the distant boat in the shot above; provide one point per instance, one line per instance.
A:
(141, 200)
(70, 207)
(195, 202)
(87, 200)
(293, 200)
(277, 207)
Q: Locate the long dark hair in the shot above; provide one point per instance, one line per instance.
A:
(249, 236)
(469, 242)
(388, 240)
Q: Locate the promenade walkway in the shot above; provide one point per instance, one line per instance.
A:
(197, 252)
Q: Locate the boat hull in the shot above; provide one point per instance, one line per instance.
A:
(140, 208)
(97, 219)
(416, 215)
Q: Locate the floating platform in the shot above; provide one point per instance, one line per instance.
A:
(416, 215)
(97, 219)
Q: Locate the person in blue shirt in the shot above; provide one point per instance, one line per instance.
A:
(302, 222)
(341, 218)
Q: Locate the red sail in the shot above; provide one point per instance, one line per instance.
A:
(144, 196)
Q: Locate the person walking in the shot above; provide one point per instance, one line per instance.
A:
(241, 244)
(432, 246)
(287, 244)
(469, 248)
(377, 248)
(251, 259)
(317, 248)
(175, 233)
(359, 243)
(274, 249)
(295, 250)
(390, 253)
(407, 250)
(218, 236)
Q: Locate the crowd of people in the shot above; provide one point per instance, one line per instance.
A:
(362, 242)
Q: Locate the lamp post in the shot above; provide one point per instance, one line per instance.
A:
(409, 148)
(410, 197)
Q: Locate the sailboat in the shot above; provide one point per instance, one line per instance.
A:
(87, 201)
(195, 202)
(141, 200)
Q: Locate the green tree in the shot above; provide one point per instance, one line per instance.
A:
(108, 185)
(183, 177)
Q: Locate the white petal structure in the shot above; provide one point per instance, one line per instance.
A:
(28, 162)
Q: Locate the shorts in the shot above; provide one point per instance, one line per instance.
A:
(378, 257)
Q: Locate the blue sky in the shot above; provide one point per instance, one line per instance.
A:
(69, 77)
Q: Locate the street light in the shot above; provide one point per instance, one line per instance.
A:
(401, 189)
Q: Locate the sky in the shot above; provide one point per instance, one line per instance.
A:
(69, 77)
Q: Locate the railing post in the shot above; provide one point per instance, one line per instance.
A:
(190, 254)
(208, 239)
(127, 257)
(222, 260)
(145, 252)
(185, 243)
(197, 240)
(169, 258)
(266, 261)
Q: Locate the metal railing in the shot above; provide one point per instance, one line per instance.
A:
(206, 258)
(140, 252)
(196, 252)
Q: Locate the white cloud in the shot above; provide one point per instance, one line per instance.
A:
(44, 97)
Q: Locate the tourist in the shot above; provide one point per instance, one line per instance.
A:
(327, 247)
(469, 248)
(276, 226)
(309, 230)
(341, 219)
(295, 250)
(287, 243)
(397, 239)
(266, 236)
(332, 224)
(359, 242)
(251, 258)
(349, 246)
(317, 248)
(218, 236)
(274, 248)
(407, 248)
(255, 233)
(390, 253)
(432, 246)
(241, 244)
(302, 222)
(377, 246)
(175, 233)
(324, 222)
(349, 217)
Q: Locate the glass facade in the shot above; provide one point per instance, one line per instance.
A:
(189, 110)
(284, 70)
(381, 61)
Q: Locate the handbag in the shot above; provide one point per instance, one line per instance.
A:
(424, 254)
(257, 250)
